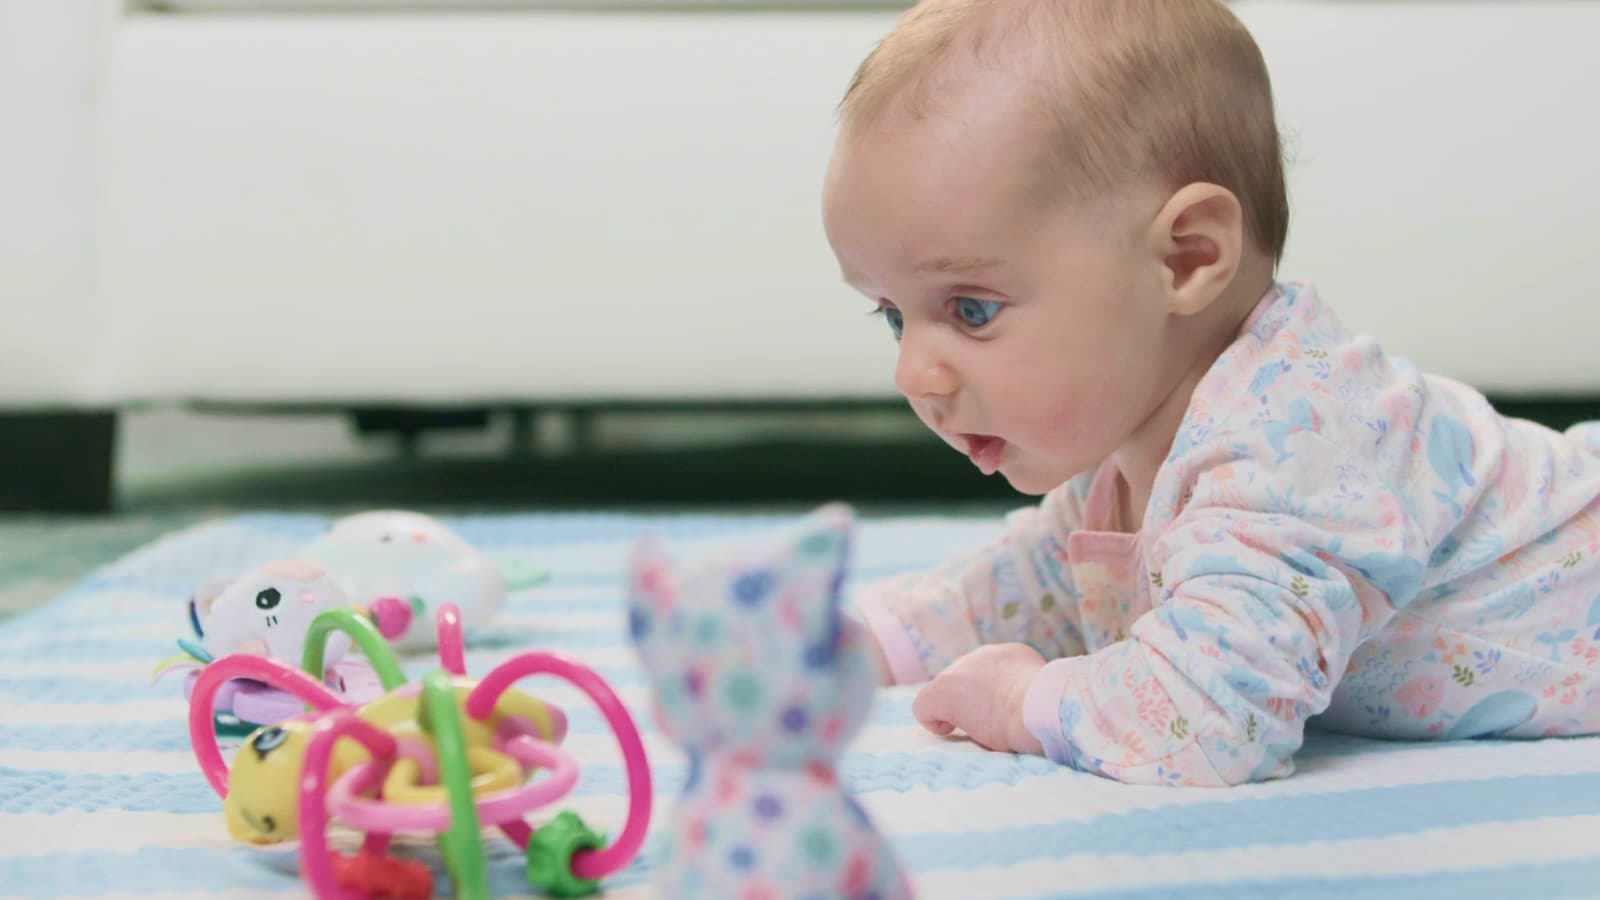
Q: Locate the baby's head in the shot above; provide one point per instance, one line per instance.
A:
(1064, 209)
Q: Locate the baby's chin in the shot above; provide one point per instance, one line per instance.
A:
(1031, 480)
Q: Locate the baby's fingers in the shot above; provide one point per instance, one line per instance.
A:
(932, 707)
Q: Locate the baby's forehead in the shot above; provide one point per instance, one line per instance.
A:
(985, 150)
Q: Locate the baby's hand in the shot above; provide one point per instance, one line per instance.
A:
(982, 693)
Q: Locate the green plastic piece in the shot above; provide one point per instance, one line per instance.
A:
(228, 725)
(461, 845)
(521, 576)
(363, 633)
(550, 850)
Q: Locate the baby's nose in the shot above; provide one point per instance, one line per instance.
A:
(921, 375)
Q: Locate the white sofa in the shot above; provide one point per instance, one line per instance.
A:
(567, 207)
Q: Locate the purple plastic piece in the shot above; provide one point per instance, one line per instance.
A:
(260, 704)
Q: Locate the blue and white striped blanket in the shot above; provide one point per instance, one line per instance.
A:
(100, 796)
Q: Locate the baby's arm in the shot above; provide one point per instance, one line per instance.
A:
(1016, 590)
(1272, 574)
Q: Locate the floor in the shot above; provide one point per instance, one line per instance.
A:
(177, 467)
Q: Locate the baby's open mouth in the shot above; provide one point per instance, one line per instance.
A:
(984, 450)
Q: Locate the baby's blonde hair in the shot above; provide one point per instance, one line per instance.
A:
(1172, 89)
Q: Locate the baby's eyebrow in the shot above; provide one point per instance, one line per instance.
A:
(950, 264)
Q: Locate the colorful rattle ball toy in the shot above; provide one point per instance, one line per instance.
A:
(447, 756)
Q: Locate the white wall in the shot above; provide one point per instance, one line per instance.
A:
(524, 206)
(50, 320)
(1446, 190)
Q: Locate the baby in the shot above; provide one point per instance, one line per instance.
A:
(1070, 214)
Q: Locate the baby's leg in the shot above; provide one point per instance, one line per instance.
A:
(1520, 663)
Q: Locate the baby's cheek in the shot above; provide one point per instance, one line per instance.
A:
(1086, 408)
(1060, 443)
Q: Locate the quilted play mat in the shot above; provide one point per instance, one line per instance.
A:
(100, 794)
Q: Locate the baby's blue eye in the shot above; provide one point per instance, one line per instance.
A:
(976, 313)
(897, 322)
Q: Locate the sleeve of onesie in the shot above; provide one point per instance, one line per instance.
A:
(1016, 590)
(1284, 557)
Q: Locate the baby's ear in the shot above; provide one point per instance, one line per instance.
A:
(652, 590)
(823, 547)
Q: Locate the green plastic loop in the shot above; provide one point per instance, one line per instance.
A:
(461, 845)
(363, 633)
(550, 851)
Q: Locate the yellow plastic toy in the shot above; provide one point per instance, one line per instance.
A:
(260, 806)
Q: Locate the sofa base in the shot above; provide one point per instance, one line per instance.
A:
(57, 461)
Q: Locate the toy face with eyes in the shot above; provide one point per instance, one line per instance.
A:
(267, 612)
(261, 804)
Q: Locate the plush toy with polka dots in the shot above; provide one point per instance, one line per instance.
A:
(762, 681)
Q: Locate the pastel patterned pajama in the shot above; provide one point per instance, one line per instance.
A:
(1333, 536)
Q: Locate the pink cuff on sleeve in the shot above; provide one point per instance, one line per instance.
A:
(905, 665)
(1041, 706)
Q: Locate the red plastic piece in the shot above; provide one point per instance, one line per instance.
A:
(382, 876)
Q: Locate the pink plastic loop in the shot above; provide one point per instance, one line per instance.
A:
(493, 809)
(517, 831)
(452, 650)
(427, 763)
(202, 731)
(315, 866)
(587, 864)
(511, 728)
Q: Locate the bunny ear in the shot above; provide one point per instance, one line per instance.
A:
(824, 543)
